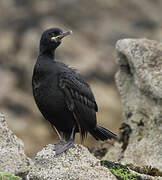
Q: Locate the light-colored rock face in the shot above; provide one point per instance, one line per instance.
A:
(139, 81)
(12, 157)
(144, 58)
(76, 163)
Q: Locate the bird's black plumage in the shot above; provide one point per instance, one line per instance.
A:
(64, 98)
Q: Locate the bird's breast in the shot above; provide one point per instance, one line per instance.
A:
(48, 95)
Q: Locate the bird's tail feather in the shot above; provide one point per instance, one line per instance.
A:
(100, 133)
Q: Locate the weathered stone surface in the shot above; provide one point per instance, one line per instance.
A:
(139, 81)
(12, 157)
(76, 163)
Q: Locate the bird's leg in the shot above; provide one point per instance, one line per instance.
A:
(64, 145)
(80, 131)
(58, 133)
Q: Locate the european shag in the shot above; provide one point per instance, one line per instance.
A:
(62, 95)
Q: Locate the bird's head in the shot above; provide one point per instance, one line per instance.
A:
(51, 38)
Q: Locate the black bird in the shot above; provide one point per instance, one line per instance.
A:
(62, 95)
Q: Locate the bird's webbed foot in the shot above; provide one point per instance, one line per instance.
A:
(63, 145)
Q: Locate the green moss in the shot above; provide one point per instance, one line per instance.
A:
(8, 176)
(120, 171)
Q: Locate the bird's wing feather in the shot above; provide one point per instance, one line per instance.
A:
(80, 100)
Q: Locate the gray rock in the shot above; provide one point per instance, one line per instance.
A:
(139, 81)
(76, 163)
(12, 157)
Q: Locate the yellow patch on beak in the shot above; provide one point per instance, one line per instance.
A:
(64, 34)
(54, 38)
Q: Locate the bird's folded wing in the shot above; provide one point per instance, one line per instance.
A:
(80, 100)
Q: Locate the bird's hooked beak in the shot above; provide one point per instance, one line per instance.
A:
(59, 37)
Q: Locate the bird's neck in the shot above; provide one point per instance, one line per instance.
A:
(47, 52)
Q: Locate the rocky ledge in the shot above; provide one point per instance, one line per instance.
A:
(77, 163)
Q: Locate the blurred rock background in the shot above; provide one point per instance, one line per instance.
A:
(96, 26)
